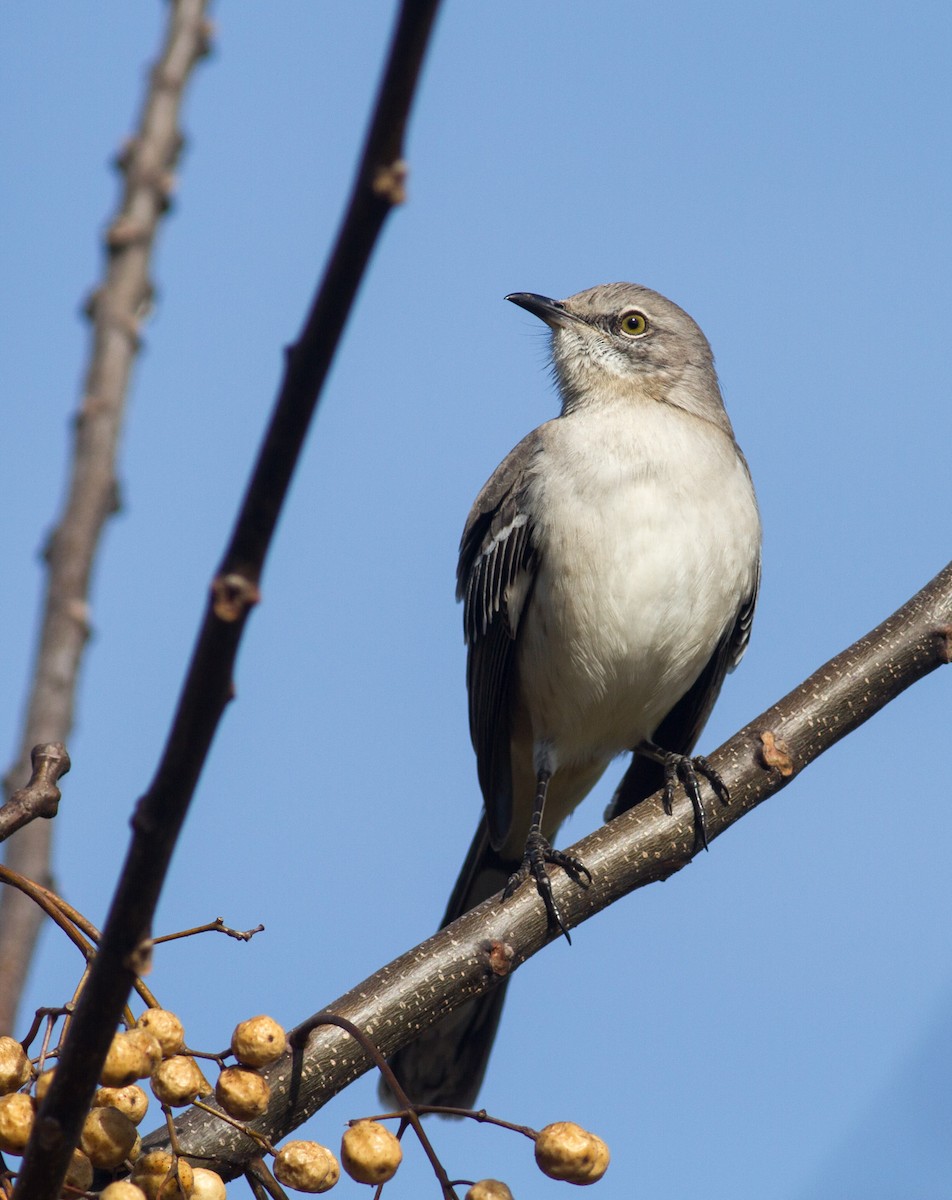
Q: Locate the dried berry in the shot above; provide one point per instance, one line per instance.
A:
(17, 1111)
(258, 1041)
(14, 1065)
(242, 1093)
(488, 1189)
(166, 1028)
(306, 1167)
(122, 1189)
(178, 1080)
(208, 1185)
(566, 1151)
(133, 1055)
(163, 1177)
(79, 1173)
(130, 1100)
(370, 1153)
(107, 1137)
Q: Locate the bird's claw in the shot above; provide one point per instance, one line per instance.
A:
(681, 768)
(538, 855)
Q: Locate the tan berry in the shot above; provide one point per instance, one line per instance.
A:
(567, 1151)
(306, 1167)
(131, 1101)
(122, 1189)
(107, 1137)
(166, 1028)
(208, 1185)
(149, 1044)
(79, 1174)
(178, 1080)
(485, 1189)
(243, 1094)
(14, 1065)
(370, 1153)
(163, 1177)
(17, 1111)
(133, 1055)
(42, 1085)
(258, 1041)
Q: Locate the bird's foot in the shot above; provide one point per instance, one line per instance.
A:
(683, 769)
(538, 854)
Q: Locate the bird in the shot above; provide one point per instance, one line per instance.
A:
(608, 572)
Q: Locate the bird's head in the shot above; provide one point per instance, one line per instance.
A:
(621, 340)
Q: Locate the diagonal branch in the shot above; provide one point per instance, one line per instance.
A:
(640, 847)
(115, 310)
(207, 687)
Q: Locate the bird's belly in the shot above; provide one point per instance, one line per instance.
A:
(629, 605)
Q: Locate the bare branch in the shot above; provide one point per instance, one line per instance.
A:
(40, 797)
(207, 688)
(216, 926)
(116, 310)
(644, 845)
(49, 903)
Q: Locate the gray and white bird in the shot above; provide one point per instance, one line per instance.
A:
(608, 572)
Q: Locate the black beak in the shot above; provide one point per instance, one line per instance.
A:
(553, 312)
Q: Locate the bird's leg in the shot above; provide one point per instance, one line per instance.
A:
(685, 769)
(538, 853)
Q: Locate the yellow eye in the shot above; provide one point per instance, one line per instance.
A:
(633, 323)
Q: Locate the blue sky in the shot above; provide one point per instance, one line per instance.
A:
(773, 1021)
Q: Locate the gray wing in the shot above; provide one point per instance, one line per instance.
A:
(497, 565)
(681, 728)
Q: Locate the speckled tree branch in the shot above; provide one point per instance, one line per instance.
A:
(115, 310)
(643, 846)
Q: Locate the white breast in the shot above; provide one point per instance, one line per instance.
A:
(649, 538)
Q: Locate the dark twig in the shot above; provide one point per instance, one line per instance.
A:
(116, 311)
(70, 921)
(208, 684)
(216, 926)
(47, 1016)
(262, 1182)
(408, 1112)
(47, 902)
(47, 1038)
(479, 1115)
(644, 845)
(40, 797)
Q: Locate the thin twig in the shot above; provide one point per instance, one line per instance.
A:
(207, 688)
(262, 1182)
(71, 921)
(48, 902)
(41, 1015)
(479, 1115)
(45, 1044)
(216, 926)
(408, 1112)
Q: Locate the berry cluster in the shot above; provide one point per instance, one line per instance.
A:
(154, 1049)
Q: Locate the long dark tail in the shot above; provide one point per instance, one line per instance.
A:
(446, 1064)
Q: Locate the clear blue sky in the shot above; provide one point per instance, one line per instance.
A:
(772, 1023)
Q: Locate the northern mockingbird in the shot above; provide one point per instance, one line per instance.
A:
(608, 572)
